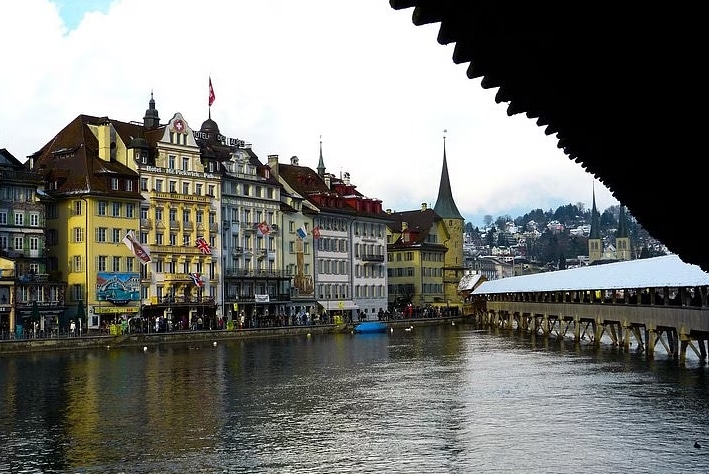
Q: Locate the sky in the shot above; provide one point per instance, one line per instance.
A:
(377, 91)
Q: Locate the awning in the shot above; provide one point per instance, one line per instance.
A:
(335, 305)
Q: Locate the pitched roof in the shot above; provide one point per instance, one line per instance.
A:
(616, 90)
(340, 197)
(419, 224)
(71, 159)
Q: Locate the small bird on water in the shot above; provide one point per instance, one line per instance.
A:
(697, 445)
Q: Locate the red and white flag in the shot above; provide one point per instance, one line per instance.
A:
(196, 279)
(204, 246)
(316, 232)
(136, 248)
(211, 92)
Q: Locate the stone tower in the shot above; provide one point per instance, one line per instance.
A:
(445, 207)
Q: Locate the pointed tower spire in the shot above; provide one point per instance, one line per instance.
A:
(445, 205)
(151, 120)
(622, 224)
(595, 232)
(321, 163)
(595, 243)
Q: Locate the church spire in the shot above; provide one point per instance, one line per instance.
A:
(321, 163)
(445, 205)
(595, 232)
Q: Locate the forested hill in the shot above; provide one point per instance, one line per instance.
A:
(549, 236)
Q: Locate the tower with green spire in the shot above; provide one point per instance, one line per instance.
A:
(445, 207)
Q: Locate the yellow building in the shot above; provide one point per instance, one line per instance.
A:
(416, 259)
(96, 202)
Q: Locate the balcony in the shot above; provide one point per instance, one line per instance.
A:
(213, 227)
(179, 197)
(175, 225)
(372, 258)
(146, 224)
(237, 251)
(255, 274)
(187, 225)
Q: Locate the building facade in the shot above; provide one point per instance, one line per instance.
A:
(32, 291)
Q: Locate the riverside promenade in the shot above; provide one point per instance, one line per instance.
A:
(90, 341)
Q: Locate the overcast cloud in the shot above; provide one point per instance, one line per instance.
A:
(379, 90)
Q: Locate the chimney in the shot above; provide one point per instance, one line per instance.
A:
(327, 181)
(424, 206)
(273, 164)
(404, 226)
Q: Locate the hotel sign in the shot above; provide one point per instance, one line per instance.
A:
(199, 135)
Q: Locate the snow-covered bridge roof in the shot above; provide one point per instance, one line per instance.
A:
(657, 272)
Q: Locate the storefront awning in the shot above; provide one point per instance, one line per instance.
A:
(336, 305)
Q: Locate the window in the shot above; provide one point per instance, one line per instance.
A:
(101, 234)
(116, 236)
(78, 234)
(173, 214)
(130, 210)
(114, 184)
(116, 209)
(101, 263)
(143, 237)
(158, 213)
(3, 217)
(159, 238)
(185, 163)
(144, 212)
(158, 185)
(76, 264)
(19, 243)
(210, 190)
(102, 208)
(171, 162)
(77, 292)
(116, 264)
(212, 217)
(19, 218)
(247, 190)
(173, 239)
(198, 189)
(173, 186)
(143, 184)
(200, 216)
(130, 264)
(34, 220)
(77, 208)
(185, 188)
(186, 215)
(129, 185)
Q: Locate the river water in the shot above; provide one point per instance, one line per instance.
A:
(436, 399)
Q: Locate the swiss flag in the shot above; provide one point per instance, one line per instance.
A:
(211, 92)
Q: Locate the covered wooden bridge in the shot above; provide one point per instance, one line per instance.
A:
(657, 300)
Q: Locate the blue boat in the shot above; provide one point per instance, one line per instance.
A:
(370, 327)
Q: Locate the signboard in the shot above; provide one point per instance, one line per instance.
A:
(118, 288)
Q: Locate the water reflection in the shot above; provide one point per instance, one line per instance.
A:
(436, 399)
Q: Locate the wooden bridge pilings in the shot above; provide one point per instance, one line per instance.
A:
(592, 317)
